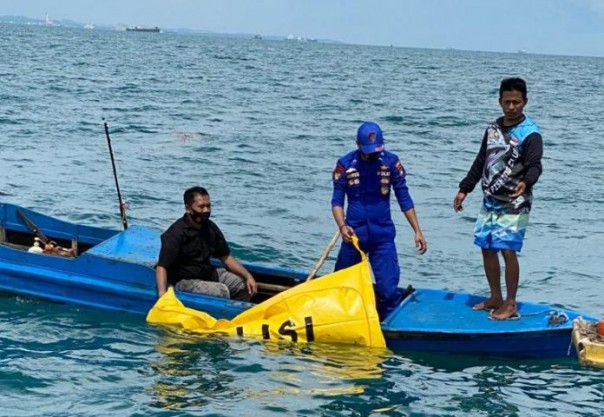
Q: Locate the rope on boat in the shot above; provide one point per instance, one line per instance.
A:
(555, 316)
(587, 329)
(588, 343)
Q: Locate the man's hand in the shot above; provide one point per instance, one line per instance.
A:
(420, 243)
(347, 233)
(519, 190)
(458, 201)
(252, 287)
(233, 265)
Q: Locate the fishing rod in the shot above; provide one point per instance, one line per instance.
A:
(117, 185)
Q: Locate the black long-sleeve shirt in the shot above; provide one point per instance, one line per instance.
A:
(186, 250)
(530, 158)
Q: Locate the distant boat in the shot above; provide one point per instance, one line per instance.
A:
(48, 21)
(142, 29)
(299, 39)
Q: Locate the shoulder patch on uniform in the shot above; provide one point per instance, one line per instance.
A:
(399, 168)
(338, 171)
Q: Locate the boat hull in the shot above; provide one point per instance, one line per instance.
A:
(431, 320)
(115, 271)
(539, 344)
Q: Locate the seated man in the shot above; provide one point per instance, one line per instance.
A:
(186, 249)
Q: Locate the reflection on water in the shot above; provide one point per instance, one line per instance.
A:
(192, 370)
(214, 373)
(188, 370)
(165, 370)
(328, 364)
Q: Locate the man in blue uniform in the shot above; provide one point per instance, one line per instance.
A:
(366, 177)
(508, 164)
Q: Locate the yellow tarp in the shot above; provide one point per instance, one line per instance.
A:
(336, 308)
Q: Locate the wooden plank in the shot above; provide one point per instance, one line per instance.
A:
(74, 246)
(272, 287)
(2, 234)
(15, 246)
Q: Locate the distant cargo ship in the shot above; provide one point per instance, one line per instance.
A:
(142, 29)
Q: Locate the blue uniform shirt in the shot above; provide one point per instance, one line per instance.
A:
(367, 185)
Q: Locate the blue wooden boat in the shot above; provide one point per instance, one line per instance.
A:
(113, 270)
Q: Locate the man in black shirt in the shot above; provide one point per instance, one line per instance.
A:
(508, 164)
(186, 249)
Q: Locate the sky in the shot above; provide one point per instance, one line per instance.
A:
(567, 27)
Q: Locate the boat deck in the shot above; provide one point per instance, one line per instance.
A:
(137, 244)
(440, 311)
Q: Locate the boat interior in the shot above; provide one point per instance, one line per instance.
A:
(24, 241)
(136, 245)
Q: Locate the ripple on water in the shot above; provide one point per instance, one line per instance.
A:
(267, 121)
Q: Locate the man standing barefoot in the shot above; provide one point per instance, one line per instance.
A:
(508, 164)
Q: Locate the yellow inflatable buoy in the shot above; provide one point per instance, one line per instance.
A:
(588, 342)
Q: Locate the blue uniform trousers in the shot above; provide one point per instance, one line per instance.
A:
(384, 263)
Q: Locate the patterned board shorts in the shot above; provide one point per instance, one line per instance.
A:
(499, 230)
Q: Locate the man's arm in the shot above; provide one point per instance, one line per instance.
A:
(420, 241)
(533, 152)
(337, 201)
(233, 265)
(399, 185)
(346, 231)
(170, 246)
(467, 185)
(161, 279)
(401, 191)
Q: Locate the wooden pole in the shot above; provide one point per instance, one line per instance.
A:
(323, 257)
(123, 218)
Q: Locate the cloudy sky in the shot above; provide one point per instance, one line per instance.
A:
(574, 27)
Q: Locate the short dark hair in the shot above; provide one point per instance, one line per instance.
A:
(513, 84)
(190, 194)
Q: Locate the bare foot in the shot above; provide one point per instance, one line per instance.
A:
(507, 310)
(488, 304)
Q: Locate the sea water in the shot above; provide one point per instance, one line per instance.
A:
(261, 124)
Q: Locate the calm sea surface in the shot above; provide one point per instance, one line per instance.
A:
(261, 124)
